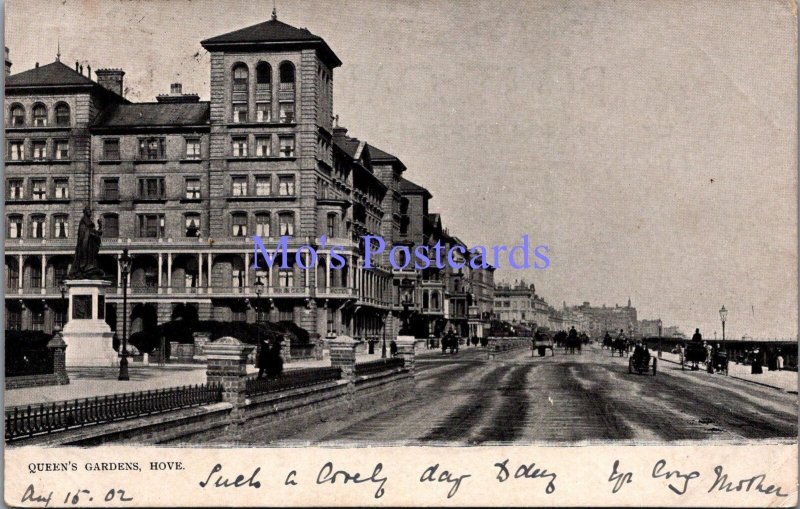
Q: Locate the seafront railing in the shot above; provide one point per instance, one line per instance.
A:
(292, 379)
(45, 418)
(378, 366)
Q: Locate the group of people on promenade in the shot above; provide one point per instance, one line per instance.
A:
(753, 356)
(268, 360)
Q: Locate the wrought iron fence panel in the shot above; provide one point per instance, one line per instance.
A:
(378, 366)
(32, 420)
(292, 379)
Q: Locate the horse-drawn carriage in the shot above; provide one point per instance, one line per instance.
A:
(541, 343)
(450, 341)
(642, 364)
(695, 354)
(719, 362)
(619, 345)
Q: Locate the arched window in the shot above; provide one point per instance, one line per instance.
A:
(39, 115)
(14, 226)
(17, 115)
(60, 226)
(192, 222)
(263, 74)
(287, 76)
(240, 76)
(262, 224)
(37, 226)
(239, 224)
(286, 224)
(62, 114)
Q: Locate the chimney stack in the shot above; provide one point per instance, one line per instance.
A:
(89, 73)
(111, 79)
(76, 66)
(8, 63)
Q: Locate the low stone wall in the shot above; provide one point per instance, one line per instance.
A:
(22, 382)
(59, 376)
(239, 418)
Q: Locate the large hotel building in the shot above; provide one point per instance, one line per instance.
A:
(183, 184)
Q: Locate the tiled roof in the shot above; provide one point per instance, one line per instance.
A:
(406, 186)
(54, 74)
(380, 155)
(348, 145)
(156, 114)
(268, 31)
(273, 32)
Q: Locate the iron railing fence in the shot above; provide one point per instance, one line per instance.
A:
(32, 420)
(292, 379)
(378, 366)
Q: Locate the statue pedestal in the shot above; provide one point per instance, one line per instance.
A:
(88, 336)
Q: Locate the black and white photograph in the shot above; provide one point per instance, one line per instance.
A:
(472, 227)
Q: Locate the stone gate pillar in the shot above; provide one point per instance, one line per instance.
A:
(57, 345)
(406, 348)
(227, 366)
(343, 355)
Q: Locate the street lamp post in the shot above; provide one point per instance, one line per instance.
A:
(125, 262)
(259, 290)
(659, 337)
(723, 315)
(63, 288)
(383, 348)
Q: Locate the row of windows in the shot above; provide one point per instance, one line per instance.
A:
(38, 226)
(154, 148)
(241, 112)
(39, 115)
(38, 188)
(38, 150)
(154, 225)
(150, 149)
(241, 74)
(240, 146)
(154, 188)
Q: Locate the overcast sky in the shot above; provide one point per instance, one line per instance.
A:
(650, 144)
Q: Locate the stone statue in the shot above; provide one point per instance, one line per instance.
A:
(85, 265)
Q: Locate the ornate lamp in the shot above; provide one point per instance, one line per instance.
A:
(125, 268)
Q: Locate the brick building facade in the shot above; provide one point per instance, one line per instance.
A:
(184, 184)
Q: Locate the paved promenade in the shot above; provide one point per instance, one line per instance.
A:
(783, 380)
(92, 382)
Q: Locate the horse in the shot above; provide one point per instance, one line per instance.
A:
(608, 343)
(619, 345)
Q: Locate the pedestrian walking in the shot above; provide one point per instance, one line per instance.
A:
(680, 352)
(756, 366)
(274, 360)
(780, 360)
(262, 360)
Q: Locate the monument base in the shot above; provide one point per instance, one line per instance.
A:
(89, 338)
(90, 349)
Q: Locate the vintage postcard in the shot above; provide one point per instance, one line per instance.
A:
(400, 253)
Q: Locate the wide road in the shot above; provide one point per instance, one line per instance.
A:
(466, 398)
